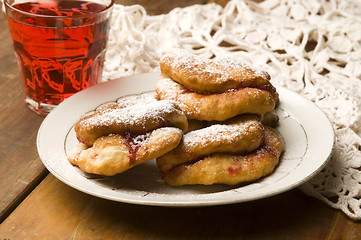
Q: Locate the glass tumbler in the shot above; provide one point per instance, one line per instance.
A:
(60, 47)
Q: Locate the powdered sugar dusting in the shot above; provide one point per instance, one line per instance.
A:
(218, 133)
(137, 141)
(127, 101)
(223, 67)
(136, 114)
(231, 64)
(170, 89)
(140, 139)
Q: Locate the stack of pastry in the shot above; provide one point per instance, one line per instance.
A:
(226, 104)
(216, 89)
(233, 99)
(121, 135)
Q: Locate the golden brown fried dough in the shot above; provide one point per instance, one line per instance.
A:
(138, 118)
(270, 119)
(210, 75)
(240, 135)
(230, 168)
(114, 154)
(219, 106)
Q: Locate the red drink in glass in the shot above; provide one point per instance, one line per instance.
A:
(60, 46)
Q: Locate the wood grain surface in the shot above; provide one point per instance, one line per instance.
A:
(35, 205)
(55, 211)
(20, 166)
(155, 7)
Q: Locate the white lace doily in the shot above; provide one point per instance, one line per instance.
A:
(312, 47)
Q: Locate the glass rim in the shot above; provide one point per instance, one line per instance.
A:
(8, 5)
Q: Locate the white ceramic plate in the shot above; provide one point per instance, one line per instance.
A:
(307, 132)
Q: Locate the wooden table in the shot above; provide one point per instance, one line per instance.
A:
(35, 205)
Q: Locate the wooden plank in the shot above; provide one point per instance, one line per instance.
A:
(20, 166)
(156, 7)
(223, 3)
(55, 211)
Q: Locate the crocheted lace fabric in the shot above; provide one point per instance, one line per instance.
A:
(311, 47)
